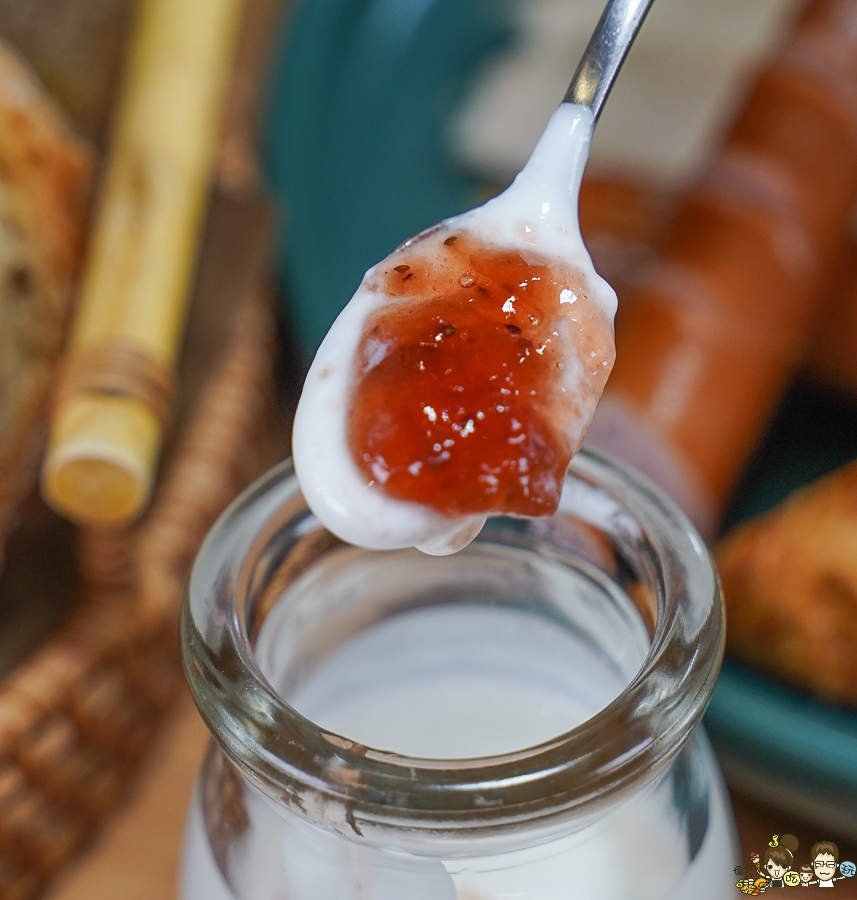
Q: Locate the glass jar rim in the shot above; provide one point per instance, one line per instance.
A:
(294, 761)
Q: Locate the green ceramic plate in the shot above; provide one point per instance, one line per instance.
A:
(357, 137)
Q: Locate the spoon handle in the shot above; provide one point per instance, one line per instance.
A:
(605, 53)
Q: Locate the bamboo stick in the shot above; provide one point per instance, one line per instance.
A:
(114, 400)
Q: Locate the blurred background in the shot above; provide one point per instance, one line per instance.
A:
(189, 193)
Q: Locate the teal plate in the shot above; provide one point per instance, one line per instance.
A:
(786, 748)
(775, 743)
(357, 137)
(357, 156)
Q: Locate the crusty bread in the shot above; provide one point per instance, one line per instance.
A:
(45, 174)
(790, 586)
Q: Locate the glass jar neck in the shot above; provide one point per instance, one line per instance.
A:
(265, 553)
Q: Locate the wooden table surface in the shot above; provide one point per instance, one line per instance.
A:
(137, 856)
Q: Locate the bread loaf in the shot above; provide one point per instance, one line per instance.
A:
(45, 174)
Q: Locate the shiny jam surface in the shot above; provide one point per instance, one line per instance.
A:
(472, 384)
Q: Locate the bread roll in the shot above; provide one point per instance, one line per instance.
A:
(45, 174)
(790, 586)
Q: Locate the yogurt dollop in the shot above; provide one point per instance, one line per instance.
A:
(463, 374)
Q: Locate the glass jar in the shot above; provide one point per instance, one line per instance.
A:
(519, 720)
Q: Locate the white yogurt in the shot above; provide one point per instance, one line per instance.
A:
(462, 682)
(537, 216)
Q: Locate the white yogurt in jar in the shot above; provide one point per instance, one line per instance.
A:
(466, 682)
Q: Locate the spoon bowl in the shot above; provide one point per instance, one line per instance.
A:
(462, 376)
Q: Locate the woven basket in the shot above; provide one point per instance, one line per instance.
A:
(79, 714)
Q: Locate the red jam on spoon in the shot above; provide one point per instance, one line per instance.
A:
(461, 401)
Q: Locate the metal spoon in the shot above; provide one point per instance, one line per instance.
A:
(537, 215)
(605, 53)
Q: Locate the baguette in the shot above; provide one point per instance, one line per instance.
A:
(708, 341)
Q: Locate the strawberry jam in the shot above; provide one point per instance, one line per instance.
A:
(476, 382)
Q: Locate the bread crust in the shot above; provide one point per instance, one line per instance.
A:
(45, 178)
(790, 586)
